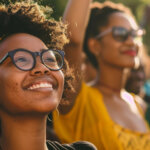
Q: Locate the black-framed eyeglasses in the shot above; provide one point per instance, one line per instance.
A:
(121, 34)
(25, 60)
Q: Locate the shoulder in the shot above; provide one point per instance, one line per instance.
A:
(90, 89)
(141, 104)
(131, 97)
(74, 146)
(88, 93)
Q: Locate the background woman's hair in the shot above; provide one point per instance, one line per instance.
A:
(99, 17)
(30, 18)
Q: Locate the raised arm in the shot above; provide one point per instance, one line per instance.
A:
(76, 16)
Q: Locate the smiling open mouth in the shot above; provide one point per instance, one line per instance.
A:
(40, 85)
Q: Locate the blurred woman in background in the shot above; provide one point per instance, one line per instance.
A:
(103, 113)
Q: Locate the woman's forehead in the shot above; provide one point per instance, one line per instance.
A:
(21, 40)
(123, 19)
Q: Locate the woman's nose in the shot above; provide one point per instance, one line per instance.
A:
(40, 68)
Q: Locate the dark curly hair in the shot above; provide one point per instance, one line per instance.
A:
(99, 17)
(25, 17)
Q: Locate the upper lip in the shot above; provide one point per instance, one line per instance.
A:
(42, 82)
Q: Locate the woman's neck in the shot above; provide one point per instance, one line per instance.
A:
(110, 80)
(22, 133)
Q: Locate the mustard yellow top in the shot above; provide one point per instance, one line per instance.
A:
(89, 120)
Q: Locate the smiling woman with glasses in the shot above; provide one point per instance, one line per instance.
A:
(34, 76)
(103, 112)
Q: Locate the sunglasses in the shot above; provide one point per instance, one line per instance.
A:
(121, 34)
(25, 60)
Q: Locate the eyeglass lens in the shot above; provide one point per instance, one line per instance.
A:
(121, 34)
(25, 60)
(52, 59)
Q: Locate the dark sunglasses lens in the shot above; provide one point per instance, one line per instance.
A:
(23, 60)
(120, 34)
(52, 59)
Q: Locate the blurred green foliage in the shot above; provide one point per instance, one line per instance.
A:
(138, 8)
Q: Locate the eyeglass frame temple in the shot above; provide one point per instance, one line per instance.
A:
(1, 61)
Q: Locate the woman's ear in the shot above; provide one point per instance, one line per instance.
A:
(94, 46)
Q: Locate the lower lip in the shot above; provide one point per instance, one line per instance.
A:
(130, 53)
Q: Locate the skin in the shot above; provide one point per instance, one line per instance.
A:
(23, 112)
(112, 61)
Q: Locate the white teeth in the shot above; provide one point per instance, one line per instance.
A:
(41, 85)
